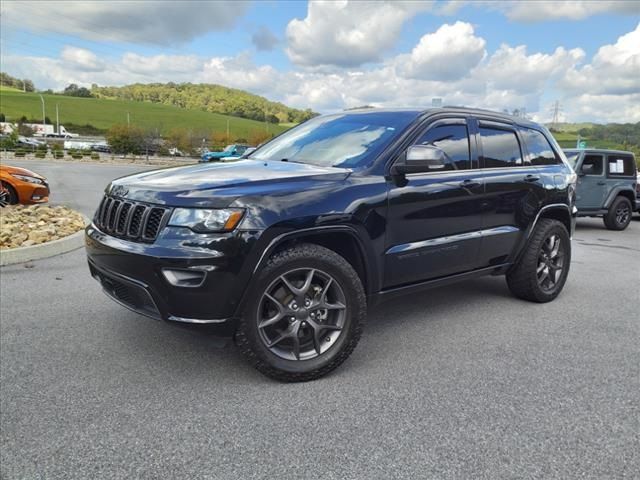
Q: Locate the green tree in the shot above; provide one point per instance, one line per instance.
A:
(124, 139)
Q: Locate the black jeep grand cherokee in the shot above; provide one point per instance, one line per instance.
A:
(289, 247)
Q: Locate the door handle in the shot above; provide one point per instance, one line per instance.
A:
(531, 178)
(601, 183)
(469, 184)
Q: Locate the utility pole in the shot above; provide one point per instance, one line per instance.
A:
(43, 115)
(57, 119)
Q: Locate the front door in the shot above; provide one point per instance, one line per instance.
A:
(591, 187)
(434, 217)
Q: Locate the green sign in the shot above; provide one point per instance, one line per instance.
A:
(582, 144)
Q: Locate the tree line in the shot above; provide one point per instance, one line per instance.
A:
(21, 84)
(208, 97)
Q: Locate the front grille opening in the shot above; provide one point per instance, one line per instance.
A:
(153, 222)
(136, 220)
(130, 220)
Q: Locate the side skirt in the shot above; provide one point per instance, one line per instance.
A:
(391, 293)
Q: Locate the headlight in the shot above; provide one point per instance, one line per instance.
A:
(28, 179)
(205, 220)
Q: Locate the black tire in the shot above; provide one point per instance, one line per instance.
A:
(251, 340)
(619, 214)
(13, 195)
(524, 278)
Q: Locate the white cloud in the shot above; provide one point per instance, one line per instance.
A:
(160, 23)
(448, 53)
(81, 59)
(510, 68)
(159, 64)
(615, 69)
(544, 10)
(348, 34)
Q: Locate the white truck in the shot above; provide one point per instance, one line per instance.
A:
(39, 130)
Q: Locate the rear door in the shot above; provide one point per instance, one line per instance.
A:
(513, 190)
(591, 190)
(434, 217)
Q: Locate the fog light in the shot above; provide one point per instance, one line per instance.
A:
(184, 278)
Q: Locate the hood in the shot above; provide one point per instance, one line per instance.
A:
(218, 184)
(20, 171)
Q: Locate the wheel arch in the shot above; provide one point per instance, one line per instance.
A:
(620, 192)
(556, 211)
(344, 240)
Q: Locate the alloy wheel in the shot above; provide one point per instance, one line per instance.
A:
(622, 214)
(550, 263)
(301, 314)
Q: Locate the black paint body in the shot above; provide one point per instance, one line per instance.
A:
(401, 232)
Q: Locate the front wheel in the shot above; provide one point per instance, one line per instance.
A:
(305, 316)
(619, 214)
(542, 270)
(12, 195)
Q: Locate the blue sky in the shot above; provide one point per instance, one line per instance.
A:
(333, 55)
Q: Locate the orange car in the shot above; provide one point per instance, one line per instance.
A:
(24, 186)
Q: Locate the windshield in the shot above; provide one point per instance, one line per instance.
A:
(341, 140)
(572, 157)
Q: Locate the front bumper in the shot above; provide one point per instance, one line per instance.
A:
(31, 193)
(133, 274)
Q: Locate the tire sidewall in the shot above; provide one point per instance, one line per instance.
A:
(612, 213)
(558, 229)
(12, 196)
(353, 318)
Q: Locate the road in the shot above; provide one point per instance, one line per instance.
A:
(459, 382)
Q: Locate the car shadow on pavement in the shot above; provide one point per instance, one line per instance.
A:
(174, 350)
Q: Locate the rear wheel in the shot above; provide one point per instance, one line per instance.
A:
(305, 316)
(542, 270)
(619, 214)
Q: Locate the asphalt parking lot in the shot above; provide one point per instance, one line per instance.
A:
(459, 382)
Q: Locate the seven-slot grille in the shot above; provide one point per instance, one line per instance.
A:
(130, 220)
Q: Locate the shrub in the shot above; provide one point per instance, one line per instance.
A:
(77, 156)
(19, 152)
(40, 153)
(58, 154)
(95, 156)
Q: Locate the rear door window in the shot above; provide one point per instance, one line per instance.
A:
(593, 164)
(620, 165)
(540, 151)
(500, 148)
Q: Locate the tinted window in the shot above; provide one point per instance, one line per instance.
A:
(539, 148)
(620, 165)
(454, 141)
(341, 140)
(500, 148)
(593, 164)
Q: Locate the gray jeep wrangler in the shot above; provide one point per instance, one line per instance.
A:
(606, 185)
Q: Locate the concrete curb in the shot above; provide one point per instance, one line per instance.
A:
(74, 241)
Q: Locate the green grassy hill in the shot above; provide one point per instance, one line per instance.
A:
(102, 114)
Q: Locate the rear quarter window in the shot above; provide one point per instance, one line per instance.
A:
(540, 150)
(621, 165)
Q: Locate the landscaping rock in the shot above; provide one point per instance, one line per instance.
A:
(22, 226)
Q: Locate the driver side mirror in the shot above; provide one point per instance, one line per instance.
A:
(420, 158)
(586, 169)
